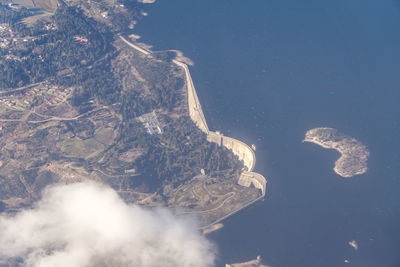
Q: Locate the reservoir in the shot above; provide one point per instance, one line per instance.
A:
(266, 71)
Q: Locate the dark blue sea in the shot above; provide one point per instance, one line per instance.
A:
(266, 71)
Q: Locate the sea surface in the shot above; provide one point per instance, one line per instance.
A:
(266, 71)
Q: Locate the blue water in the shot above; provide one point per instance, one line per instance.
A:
(266, 71)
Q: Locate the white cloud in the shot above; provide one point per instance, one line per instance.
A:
(87, 224)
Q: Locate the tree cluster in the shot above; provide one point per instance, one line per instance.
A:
(184, 153)
(58, 49)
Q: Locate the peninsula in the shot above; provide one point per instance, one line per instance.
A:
(244, 153)
(354, 155)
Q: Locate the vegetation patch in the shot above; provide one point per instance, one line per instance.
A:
(78, 148)
(104, 135)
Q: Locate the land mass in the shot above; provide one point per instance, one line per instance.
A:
(252, 263)
(354, 155)
(79, 101)
(244, 153)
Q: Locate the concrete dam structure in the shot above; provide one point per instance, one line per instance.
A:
(240, 149)
(252, 178)
(195, 111)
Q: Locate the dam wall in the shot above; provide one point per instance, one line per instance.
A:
(195, 110)
(240, 149)
(252, 178)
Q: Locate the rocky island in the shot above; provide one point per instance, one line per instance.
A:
(354, 155)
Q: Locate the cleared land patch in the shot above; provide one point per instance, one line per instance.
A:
(79, 148)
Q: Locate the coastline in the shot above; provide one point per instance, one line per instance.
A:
(247, 178)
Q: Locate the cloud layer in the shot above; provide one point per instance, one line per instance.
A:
(87, 224)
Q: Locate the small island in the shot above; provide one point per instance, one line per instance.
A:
(253, 263)
(354, 155)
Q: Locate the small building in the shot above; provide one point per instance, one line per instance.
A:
(150, 122)
(81, 39)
